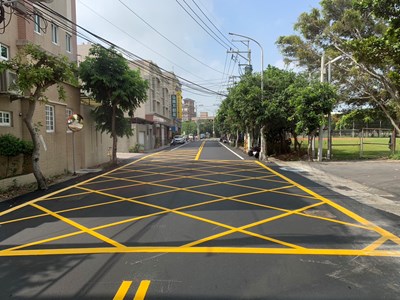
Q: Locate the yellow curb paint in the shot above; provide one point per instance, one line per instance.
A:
(199, 152)
(142, 290)
(123, 289)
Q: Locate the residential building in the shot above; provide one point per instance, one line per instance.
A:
(157, 118)
(29, 23)
(189, 111)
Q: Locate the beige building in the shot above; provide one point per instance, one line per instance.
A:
(156, 119)
(48, 31)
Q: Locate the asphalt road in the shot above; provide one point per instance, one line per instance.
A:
(198, 221)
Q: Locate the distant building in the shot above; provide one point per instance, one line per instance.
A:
(189, 111)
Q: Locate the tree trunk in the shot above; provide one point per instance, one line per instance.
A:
(114, 136)
(263, 146)
(237, 139)
(40, 179)
(309, 148)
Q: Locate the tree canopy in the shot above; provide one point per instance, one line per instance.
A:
(117, 89)
(368, 73)
(36, 71)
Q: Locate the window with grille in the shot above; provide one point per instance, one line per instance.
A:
(4, 52)
(5, 118)
(49, 118)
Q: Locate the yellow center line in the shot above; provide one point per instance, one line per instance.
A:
(201, 149)
(142, 290)
(123, 289)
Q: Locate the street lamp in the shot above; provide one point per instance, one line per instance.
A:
(323, 66)
(262, 66)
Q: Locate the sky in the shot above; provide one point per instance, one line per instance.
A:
(163, 32)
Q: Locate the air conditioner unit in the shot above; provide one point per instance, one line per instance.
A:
(7, 82)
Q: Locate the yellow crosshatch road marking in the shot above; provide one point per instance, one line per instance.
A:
(156, 171)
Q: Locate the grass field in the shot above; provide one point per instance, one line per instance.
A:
(347, 148)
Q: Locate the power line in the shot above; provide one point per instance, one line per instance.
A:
(199, 61)
(229, 41)
(144, 45)
(215, 36)
(126, 52)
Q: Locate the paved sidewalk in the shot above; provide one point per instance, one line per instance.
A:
(371, 182)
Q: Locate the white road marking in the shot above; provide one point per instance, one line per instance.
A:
(232, 151)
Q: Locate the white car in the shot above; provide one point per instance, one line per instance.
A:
(179, 139)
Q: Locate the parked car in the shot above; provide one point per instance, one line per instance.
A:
(179, 139)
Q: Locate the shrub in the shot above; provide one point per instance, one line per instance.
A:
(11, 146)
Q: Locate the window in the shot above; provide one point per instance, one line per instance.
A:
(54, 33)
(4, 52)
(68, 112)
(68, 42)
(49, 118)
(37, 24)
(5, 118)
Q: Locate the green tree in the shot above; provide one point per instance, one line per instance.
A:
(189, 127)
(277, 109)
(246, 100)
(36, 71)
(118, 89)
(311, 103)
(368, 71)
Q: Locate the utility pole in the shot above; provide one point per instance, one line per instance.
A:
(248, 67)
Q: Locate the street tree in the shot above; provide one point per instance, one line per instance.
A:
(36, 71)
(311, 102)
(116, 88)
(277, 109)
(246, 100)
(189, 127)
(367, 43)
(228, 120)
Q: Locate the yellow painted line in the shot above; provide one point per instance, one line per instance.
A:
(69, 187)
(347, 212)
(123, 289)
(80, 227)
(142, 290)
(60, 237)
(208, 250)
(199, 152)
(65, 196)
(379, 242)
(242, 229)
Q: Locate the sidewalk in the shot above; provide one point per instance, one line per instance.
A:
(374, 183)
